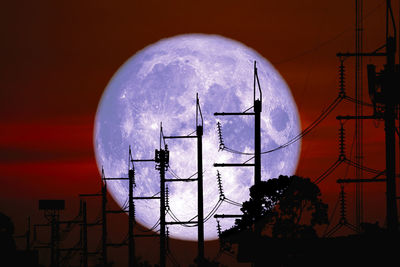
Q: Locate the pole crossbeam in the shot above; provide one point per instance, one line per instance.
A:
(228, 215)
(234, 113)
(365, 117)
(180, 137)
(182, 180)
(111, 178)
(341, 181)
(145, 198)
(371, 54)
(181, 222)
(234, 164)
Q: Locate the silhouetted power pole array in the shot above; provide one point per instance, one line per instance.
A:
(382, 90)
(386, 106)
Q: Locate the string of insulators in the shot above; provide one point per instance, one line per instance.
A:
(342, 83)
(221, 190)
(342, 146)
(219, 229)
(166, 198)
(342, 205)
(221, 140)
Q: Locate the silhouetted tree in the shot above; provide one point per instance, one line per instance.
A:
(284, 207)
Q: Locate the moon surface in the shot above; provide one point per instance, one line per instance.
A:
(159, 84)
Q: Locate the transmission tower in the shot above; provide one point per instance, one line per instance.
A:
(382, 90)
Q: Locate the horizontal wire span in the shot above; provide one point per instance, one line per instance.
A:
(315, 123)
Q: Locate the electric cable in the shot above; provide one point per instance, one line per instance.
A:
(315, 123)
(326, 42)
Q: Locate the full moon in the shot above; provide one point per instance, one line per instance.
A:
(159, 84)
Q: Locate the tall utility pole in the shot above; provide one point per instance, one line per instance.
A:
(162, 161)
(390, 128)
(200, 204)
(359, 108)
(103, 223)
(131, 211)
(104, 219)
(257, 108)
(200, 208)
(84, 235)
(382, 90)
(131, 214)
(257, 128)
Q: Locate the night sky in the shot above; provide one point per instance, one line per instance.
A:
(58, 56)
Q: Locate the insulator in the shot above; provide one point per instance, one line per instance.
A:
(219, 229)
(342, 83)
(342, 146)
(221, 190)
(343, 204)
(221, 140)
(166, 197)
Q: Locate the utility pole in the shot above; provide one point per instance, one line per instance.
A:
(200, 208)
(131, 222)
(359, 108)
(131, 211)
(103, 223)
(200, 201)
(104, 219)
(257, 108)
(257, 129)
(390, 128)
(84, 235)
(162, 161)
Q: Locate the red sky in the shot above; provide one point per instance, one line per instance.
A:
(58, 56)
